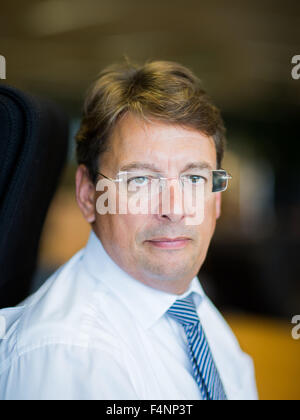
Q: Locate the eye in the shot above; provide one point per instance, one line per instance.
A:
(138, 181)
(194, 179)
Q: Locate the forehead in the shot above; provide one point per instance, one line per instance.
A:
(166, 145)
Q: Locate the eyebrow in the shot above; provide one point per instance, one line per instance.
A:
(198, 165)
(154, 168)
(140, 165)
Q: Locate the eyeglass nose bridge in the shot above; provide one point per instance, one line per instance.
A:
(163, 181)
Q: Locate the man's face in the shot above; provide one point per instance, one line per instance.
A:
(139, 243)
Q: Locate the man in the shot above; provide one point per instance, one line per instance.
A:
(126, 317)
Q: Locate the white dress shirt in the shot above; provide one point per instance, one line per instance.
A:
(93, 332)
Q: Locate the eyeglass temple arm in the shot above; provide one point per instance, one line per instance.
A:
(104, 176)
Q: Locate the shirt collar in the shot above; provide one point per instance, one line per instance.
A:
(145, 303)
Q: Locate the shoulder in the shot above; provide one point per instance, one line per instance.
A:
(65, 339)
(69, 371)
(61, 343)
(70, 309)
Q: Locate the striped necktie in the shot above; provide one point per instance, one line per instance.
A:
(205, 371)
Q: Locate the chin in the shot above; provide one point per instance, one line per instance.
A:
(165, 271)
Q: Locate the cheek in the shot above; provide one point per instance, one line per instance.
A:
(211, 208)
(209, 223)
(212, 216)
(121, 229)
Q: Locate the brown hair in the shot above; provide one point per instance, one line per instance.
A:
(163, 90)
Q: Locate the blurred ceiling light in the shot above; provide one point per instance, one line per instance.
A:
(53, 17)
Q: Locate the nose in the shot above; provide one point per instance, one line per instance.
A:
(171, 205)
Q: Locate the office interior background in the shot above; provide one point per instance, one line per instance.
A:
(242, 52)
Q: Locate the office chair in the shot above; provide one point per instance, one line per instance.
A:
(33, 151)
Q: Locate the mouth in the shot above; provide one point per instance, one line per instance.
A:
(169, 243)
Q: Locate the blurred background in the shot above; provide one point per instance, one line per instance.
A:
(242, 52)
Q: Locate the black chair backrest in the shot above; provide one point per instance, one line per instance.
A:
(33, 151)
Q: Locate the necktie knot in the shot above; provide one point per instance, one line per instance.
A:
(184, 311)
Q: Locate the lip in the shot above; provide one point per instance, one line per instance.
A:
(169, 243)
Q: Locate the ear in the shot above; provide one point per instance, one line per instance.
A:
(218, 204)
(85, 193)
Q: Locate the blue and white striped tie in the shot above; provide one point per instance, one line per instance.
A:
(205, 371)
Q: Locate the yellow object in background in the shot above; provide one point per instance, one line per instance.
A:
(275, 353)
